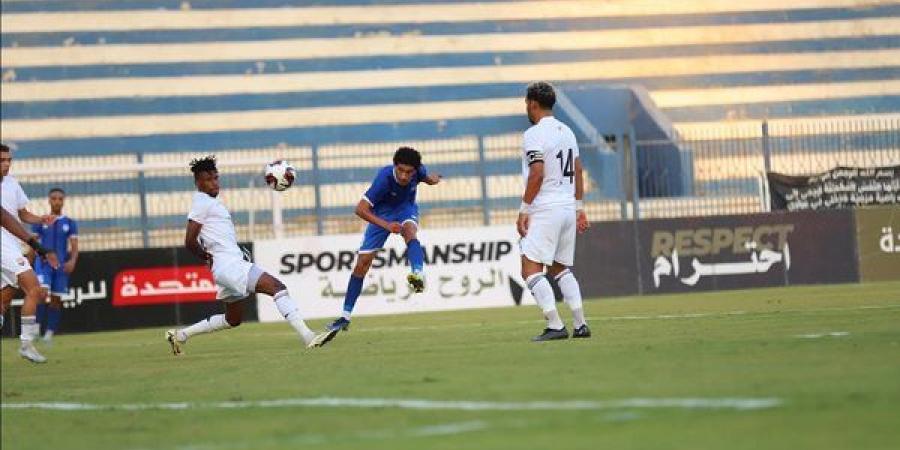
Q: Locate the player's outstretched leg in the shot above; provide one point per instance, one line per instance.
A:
(231, 318)
(571, 291)
(288, 308)
(416, 255)
(354, 288)
(30, 328)
(41, 314)
(543, 294)
(6, 295)
(54, 317)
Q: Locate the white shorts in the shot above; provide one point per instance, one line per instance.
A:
(235, 279)
(550, 237)
(13, 264)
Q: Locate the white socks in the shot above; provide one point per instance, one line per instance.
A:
(30, 329)
(208, 325)
(572, 295)
(288, 308)
(543, 293)
(283, 301)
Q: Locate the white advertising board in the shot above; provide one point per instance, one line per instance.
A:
(464, 268)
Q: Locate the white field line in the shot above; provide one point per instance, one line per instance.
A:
(821, 335)
(714, 403)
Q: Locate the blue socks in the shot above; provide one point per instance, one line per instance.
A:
(41, 315)
(54, 316)
(416, 255)
(354, 288)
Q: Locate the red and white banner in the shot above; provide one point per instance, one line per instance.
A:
(465, 268)
(163, 285)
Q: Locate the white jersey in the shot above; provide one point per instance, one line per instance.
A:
(553, 143)
(217, 235)
(13, 199)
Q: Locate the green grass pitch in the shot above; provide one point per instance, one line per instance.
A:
(825, 358)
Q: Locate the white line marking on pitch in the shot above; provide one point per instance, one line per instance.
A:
(734, 403)
(821, 335)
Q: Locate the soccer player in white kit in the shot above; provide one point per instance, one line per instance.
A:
(211, 236)
(552, 211)
(16, 271)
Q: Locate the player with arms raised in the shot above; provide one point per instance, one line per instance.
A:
(211, 236)
(551, 212)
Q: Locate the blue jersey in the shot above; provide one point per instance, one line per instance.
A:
(56, 236)
(387, 197)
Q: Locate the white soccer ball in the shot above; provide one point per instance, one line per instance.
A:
(280, 175)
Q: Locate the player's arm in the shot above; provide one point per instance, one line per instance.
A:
(69, 266)
(364, 211)
(32, 218)
(430, 179)
(192, 243)
(12, 225)
(581, 217)
(433, 179)
(532, 187)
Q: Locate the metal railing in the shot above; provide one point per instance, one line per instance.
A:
(141, 200)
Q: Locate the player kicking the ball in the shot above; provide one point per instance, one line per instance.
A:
(390, 207)
(211, 236)
(551, 212)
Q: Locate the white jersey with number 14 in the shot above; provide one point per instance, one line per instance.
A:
(553, 143)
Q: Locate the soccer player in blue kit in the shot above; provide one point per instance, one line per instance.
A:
(62, 237)
(390, 208)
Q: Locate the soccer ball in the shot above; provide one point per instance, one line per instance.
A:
(280, 175)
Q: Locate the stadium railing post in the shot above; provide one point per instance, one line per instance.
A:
(630, 144)
(482, 168)
(317, 189)
(767, 151)
(623, 175)
(633, 170)
(142, 193)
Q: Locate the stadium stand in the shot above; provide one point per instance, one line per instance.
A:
(335, 86)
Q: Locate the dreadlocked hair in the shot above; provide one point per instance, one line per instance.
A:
(203, 164)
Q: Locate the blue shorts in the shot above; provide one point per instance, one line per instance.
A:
(57, 280)
(375, 236)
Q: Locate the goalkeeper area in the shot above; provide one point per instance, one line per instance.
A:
(802, 367)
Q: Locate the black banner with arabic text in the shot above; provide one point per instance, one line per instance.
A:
(713, 253)
(122, 289)
(841, 187)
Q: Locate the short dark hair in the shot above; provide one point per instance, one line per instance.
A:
(4, 148)
(57, 189)
(543, 93)
(409, 156)
(203, 164)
